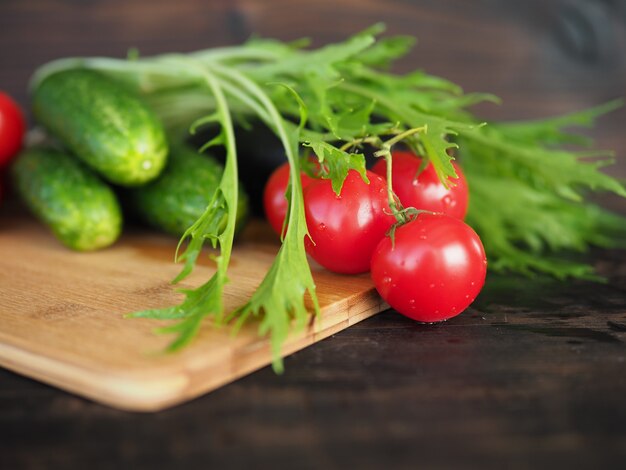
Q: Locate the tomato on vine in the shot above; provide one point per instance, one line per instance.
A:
(12, 128)
(424, 191)
(433, 270)
(344, 230)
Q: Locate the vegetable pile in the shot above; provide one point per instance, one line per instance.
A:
(329, 107)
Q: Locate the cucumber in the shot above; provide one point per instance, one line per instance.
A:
(103, 124)
(82, 210)
(175, 200)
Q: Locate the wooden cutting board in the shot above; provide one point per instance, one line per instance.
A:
(61, 315)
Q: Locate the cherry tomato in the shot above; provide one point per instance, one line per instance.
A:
(434, 270)
(11, 129)
(345, 229)
(274, 200)
(425, 191)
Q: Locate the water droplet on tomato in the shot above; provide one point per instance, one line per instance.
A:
(448, 202)
(432, 286)
(322, 226)
(386, 280)
(472, 283)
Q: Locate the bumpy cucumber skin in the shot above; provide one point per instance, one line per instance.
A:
(103, 124)
(81, 209)
(177, 198)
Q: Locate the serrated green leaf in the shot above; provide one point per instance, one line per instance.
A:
(550, 131)
(386, 50)
(320, 61)
(217, 224)
(336, 163)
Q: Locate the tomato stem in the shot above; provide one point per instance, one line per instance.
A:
(394, 204)
(403, 135)
(363, 140)
(391, 197)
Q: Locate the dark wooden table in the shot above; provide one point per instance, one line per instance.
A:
(532, 376)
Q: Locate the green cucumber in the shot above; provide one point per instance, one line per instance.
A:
(177, 198)
(103, 124)
(82, 210)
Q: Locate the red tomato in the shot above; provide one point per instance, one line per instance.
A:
(345, 229)
(274, 200)
(11, 129)
(434, 271)
(425, 191)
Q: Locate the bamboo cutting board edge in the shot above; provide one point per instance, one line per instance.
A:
(155, 390)
(62, 317)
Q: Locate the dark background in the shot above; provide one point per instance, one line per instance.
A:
(541, 57)
(532, 376)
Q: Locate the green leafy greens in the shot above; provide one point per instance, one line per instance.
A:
(526, 194)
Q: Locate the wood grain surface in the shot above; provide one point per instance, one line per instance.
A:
(532, 376)
(62, 315)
